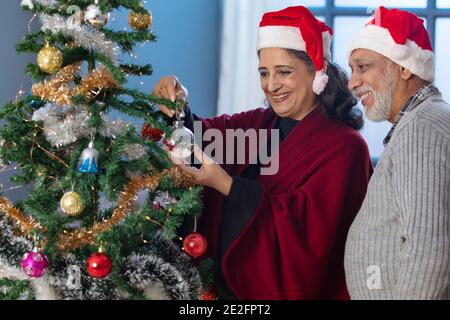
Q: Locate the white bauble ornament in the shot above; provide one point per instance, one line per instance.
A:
(95, 17)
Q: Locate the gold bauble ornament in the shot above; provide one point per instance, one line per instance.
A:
(50, 59)
(140, 21)
(71, 204)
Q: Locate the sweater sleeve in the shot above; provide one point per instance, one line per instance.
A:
(422, 185)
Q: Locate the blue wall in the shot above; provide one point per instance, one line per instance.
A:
(188, 46)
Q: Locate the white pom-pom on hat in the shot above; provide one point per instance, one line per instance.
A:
(320, 82)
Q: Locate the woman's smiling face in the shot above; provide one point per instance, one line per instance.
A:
(286, 82)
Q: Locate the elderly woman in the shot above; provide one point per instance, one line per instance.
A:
(281, 235)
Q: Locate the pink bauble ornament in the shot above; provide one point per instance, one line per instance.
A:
(195, 244)
(34, 264)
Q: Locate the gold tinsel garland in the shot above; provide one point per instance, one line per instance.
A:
(72, 240)
(58, 91)
(26, 224)
(94, 82)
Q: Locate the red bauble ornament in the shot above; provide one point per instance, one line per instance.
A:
(148, 132)
(195, 245)
(99, 265)
(209, 294)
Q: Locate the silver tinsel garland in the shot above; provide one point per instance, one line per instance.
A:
(161, 271)
(83, 36)
(64, 125)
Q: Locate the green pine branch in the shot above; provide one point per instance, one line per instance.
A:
(137, 70)
(128, 40)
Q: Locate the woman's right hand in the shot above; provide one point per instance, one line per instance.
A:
(170, 88)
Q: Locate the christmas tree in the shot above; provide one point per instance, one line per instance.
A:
(105, 204)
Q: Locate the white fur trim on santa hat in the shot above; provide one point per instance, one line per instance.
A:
(289, 38)
(410, 56)
(320, 82)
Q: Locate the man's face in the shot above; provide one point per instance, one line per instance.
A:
(373, 82)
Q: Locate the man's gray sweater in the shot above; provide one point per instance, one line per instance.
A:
(398, 247)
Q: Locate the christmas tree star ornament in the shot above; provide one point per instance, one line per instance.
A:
(99, 265)
(71, 204)
(50, 59)
(88, 160)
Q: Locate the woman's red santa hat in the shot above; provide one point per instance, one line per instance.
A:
(296, 28)
(400, 36)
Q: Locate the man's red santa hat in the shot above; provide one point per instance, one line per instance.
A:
(297, 28)
(400, 36)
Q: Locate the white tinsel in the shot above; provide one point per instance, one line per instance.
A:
(64, 125)
(83, 36)
(30, 4)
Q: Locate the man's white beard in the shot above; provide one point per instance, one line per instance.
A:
(382, 105)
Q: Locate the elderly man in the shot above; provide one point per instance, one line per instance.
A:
(398, 246)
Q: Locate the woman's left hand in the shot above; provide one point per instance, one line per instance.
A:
(210, 173)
